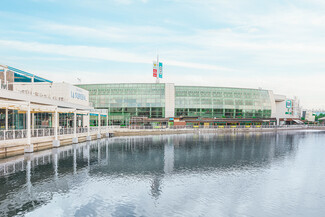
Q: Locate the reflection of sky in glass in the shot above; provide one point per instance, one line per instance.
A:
(181, 175)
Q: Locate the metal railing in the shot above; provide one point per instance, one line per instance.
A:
(44, 132)
(12, 134)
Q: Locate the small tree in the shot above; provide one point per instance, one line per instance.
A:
(321, 115)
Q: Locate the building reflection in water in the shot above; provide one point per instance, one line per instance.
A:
(154, 156)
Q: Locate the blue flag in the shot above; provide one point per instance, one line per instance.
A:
(160, 70)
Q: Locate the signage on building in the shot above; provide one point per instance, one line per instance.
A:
(288, 104)
(157, 69)
(77, 93)
(154, 69)
(160, 70)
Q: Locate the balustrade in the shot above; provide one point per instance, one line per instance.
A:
(44, 132)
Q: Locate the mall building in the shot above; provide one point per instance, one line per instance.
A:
(32, 107)
(162, 103)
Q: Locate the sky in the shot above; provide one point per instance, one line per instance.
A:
(275, 45)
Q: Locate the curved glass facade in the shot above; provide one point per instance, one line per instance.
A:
(219, 102)
(124, 101)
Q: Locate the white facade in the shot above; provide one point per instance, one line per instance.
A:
(286, 108)
(273, 105)
(169, 100)
(56, 91)
(310, 116)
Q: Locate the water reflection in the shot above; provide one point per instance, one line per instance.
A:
(153, 160)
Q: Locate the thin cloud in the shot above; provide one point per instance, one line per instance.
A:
(203, 39)
(100, 53)
(112, 33)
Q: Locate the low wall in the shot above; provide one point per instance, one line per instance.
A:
(17, 146)
(141, 132)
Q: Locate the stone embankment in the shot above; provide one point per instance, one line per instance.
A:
(144, 132)
(16, 147)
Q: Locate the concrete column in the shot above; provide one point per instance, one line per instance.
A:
(75, 138)
(75, 124)
(29, 148)
(6, 118)
(33, 122)
(98, 135)
(88, 128)
(169, 100)
(56, 141)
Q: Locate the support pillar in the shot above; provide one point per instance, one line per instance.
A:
(33, 123)
(56, 141)
(29, 147)
(88, 129)
(98, 135)
(75, 138)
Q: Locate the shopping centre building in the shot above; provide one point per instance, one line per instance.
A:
(127, 103)
(160, 103)
(34, 109)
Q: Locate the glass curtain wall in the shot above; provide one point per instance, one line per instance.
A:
(16, 120)
(43, 120)
(124, 101)
(2, 119)
(94, 120)
(66, 120)
(214, 102)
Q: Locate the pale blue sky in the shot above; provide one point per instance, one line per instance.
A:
(277, 45)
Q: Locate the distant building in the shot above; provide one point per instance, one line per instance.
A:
(288, 110)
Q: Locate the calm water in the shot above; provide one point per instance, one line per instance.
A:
(257, 174)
